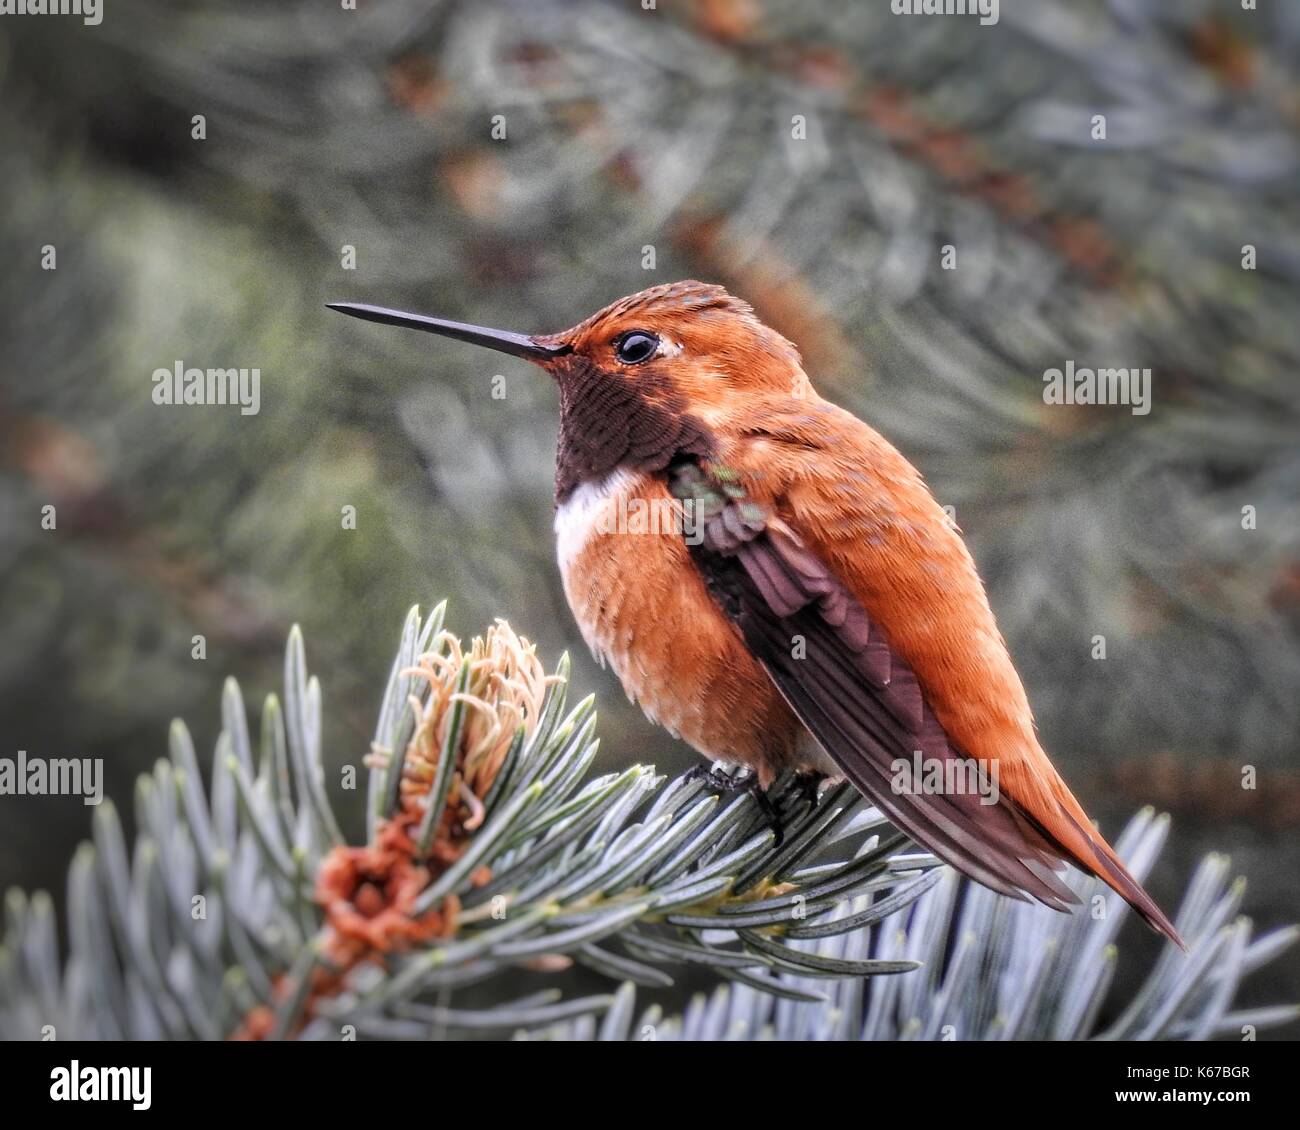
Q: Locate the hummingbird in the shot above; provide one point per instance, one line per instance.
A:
(811, 607)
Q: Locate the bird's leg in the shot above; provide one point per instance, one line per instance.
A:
(767, 808)
(724, 782)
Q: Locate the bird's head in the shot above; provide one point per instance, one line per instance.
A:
(687, 344)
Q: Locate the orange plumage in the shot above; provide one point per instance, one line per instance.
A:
(679, 402)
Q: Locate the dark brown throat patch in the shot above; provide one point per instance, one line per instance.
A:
(612, 420)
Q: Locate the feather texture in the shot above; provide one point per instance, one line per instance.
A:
(851, 674)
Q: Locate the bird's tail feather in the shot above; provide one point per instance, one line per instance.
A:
(1084, 846)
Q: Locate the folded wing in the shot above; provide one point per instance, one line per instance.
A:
(862, 701)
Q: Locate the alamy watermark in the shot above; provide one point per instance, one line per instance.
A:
(58, 776)
(102, 1084)
(179, 385)
(1081, 385)
(655, 517)
(987, 10)
(90, 11)
(945, 776)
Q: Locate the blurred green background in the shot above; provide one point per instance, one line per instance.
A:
(642, 146)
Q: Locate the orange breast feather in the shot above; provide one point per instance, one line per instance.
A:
(643, 607)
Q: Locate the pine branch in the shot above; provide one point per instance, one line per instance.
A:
(994, 969)
(240, 910)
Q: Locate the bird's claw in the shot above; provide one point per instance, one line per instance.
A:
(720, 780)
(723, 782)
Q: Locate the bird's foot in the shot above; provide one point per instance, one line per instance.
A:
(724, 782)
(720, 780)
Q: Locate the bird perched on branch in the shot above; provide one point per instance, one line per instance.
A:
(810, 606)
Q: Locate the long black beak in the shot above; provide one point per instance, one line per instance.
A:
(518, 345)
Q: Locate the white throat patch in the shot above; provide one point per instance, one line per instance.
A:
(576, 516)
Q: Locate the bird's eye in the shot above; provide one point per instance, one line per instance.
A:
(635, 346)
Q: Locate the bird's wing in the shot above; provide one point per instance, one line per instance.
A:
(862, 700)
(859, 699)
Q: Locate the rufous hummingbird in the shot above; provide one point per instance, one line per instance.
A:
(814, 608)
